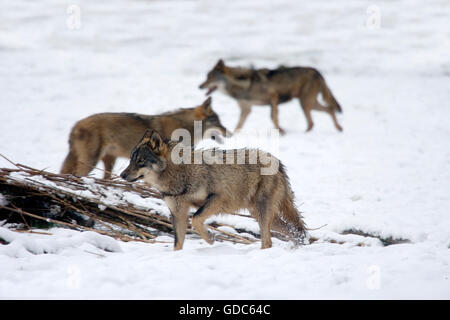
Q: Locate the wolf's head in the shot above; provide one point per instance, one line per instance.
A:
(148, 157)
(221, 76)
(210, 119)
(215, 78)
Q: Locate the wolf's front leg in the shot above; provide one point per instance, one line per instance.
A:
(179, 213)
(245, 111)
(274, 114)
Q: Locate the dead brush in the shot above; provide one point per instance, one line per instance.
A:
(89, 203)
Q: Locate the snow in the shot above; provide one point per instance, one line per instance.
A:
(62, 239)
(388, 173)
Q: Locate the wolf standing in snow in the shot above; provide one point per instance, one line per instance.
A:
(272, 87)
(226, 181)
(106, 136)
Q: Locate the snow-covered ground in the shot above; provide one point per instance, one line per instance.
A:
(388, 173)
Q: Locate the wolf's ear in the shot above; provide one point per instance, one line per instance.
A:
(153, 139)
(206, 107)
(146, 137)
(204, 110)
(220, 65)
(156, 141)
(147, 134)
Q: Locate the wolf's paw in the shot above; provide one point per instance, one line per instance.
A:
(211, 238)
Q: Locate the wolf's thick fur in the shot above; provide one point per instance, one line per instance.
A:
(215, 188)
(272, 87)
(106, 136)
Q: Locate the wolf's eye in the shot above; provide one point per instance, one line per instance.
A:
(141, 162)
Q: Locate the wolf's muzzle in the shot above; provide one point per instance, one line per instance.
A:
(124, 175)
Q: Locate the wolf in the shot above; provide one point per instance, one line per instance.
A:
(272, 87)
(106, 136)
(216, 187)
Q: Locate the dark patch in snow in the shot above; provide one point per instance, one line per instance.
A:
(386, 241)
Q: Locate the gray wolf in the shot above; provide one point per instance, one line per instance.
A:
(213, 188)
(272, 87)
(106, 136)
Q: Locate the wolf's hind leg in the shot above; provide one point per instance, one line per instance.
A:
(70, 163)
(265, 212)
(317, 106)
(87, 150)
(86, 162)
(264, 226)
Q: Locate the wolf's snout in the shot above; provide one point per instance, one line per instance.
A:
(124, 175)
(218, 138)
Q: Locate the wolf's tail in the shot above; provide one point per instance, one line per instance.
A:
(327, 95)
(290, 220)
(70, 162)
(84, 152)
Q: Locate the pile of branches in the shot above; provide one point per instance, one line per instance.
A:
(88, 203)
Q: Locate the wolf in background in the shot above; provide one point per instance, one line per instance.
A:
(106, 136)
(272, 87)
